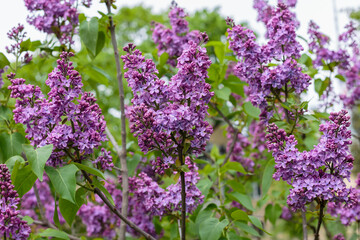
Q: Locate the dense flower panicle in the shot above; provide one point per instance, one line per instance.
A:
(59, 120)
(266, 11)
(319, 173)
(55, 16)
(164, 115)
(173, 41)
(11, 226)
(352, 72)
(280, 50)
(348, 212)
(319, 45)
(159, 201)
(29, 204)
(105, 160)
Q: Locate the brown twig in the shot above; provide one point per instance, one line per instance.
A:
(113, 142)
(115, 210)
(304, 226)
(183, 193)
(321, 216)
(236, 131)
(124, 170)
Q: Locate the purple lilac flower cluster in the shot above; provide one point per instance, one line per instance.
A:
(159, 201)
(318, 174)
(352, 72)
(164, 116)
(2, 70)
(319, 44)
(173, 41)
(29, 204)
(101, 222)
(17, 35)
(339, 237)
(348, 212)
(266, 11)
(282, 49)
(11, 226)
(55, 16)
(69, 118)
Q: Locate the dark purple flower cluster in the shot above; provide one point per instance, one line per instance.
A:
(159, 201)
(29, 204)
(319, 45)
(11, 226)
(286, 214)
(17, 35)
(69, 118)
(173, 41)
(55, 16)
(284, 74)
(318, 174)
(348, 212)
(266, 11)
(164, 116)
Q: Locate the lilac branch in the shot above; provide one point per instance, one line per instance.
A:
(124, 170)
(116, 211)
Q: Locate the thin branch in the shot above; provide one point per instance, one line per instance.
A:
(236, 131)
(227, 157)
(115, 210)
(113, 142)
(304, 226)
(41, 207)
(183, 194)
(124, 170)
(223, 116)
(321, 216)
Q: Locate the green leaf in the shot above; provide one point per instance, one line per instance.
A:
(28, 220)
(132, 163)
(243, 199)
(50, 232)
(3, 60)
(89, 169)
(163, 58)
(211, 228)
(267, 176)
(240, 215)
(89, 34)
(34, 45)
(254, 220)
(37, 158)
(64, 180)
(204, 186)
(251, 110)
(247, 228)
(273, 212)
(10, 145)
(232, 166)
(11, 162)
(25, 45)
(56, 213)
(68, 209)
(340, 77)
(104, 190)
(100, 43)
(223, 93)
(24, 179)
